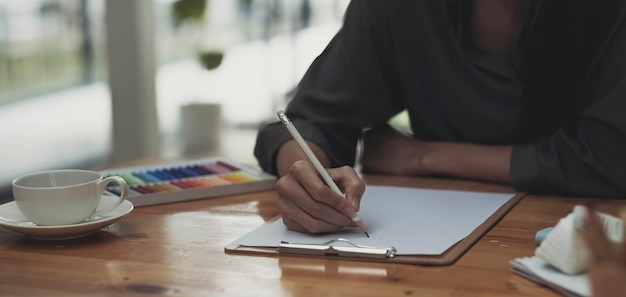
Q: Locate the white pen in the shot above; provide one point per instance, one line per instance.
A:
(316, 162)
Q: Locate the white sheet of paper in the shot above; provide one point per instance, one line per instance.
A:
(538, 270)
(414, 221)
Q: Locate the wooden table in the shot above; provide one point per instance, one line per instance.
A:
(178, 250)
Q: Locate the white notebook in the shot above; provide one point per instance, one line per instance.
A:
(538, 270)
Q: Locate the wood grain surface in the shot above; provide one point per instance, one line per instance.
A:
(178, 250)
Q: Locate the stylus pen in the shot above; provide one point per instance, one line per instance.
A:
(316, 162)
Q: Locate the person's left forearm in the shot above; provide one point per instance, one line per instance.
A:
(481, 162)
(387, 151)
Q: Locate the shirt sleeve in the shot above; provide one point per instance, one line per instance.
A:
(589, 160)
(350, 86)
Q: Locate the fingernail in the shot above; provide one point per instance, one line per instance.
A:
(580, 215)
(349, 211)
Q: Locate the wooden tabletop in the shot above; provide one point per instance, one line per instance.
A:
(178, 250)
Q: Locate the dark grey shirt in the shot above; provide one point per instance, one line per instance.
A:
(396, 55)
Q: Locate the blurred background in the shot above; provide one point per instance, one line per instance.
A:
(94, 83)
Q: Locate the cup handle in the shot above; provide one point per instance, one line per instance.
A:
(123, 192)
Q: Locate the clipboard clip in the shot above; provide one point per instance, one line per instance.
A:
(326, 249)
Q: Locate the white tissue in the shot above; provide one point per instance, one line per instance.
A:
(565, 249)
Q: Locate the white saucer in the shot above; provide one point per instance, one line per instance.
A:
(12, 219)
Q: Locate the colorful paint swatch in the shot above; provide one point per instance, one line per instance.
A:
(189, 180)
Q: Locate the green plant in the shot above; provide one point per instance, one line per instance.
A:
(185, 11)
(192, 12)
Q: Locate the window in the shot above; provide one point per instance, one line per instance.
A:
(51, 67)
(48, 45)
(55, 106)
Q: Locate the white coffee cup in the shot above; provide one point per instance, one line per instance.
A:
(200, 127)
(63, 197)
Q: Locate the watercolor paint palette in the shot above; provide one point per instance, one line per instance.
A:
(189, 180)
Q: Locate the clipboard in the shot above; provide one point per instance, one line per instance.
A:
(328, 250)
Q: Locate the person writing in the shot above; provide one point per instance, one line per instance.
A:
(529, 93)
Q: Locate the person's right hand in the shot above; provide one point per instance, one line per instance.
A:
(307, 204)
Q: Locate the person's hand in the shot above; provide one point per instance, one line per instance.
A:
(307, 204)
(607, 264)
(387, 151)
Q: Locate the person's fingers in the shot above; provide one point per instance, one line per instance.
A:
(599, 245)
(302, 202)
(607, 280)
(297, 219)
(292, 224)
(607, 271)
(309, 178)
(350, 182)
